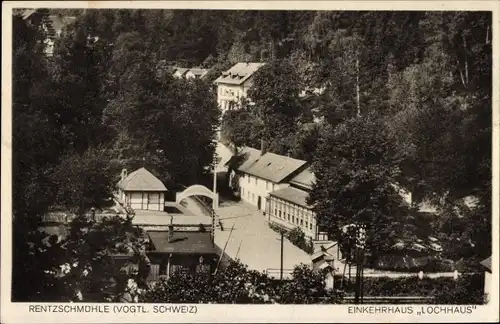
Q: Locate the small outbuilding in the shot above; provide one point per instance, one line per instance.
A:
(487, 275)
(141, 190)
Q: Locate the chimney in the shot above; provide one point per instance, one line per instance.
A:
(171, 229)
(262, 147)
(124, 174)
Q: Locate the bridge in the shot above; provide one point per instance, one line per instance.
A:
(198, 190)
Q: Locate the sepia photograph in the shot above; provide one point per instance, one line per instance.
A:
(283, 157)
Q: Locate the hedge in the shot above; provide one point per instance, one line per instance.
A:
(467, 289)
(295, 236)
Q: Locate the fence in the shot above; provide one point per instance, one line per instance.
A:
(391, 300)
(275, 273)
(65, 218)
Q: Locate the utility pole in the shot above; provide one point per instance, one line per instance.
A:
(224, 250)
(357, 281)
(281, 264)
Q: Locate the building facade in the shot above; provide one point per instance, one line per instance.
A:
(141, 190)
(487, 277)
(260, 173)
(233, 84)
(52, 25)
(288, 206)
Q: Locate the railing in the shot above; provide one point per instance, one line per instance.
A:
(392, 299)
(276, 273)
(66, 218)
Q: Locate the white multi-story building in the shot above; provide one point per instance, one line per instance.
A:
(288, 206)
(234, 83)
(261, 173)
(278, 186)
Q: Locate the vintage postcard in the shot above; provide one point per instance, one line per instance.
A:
(250, 161)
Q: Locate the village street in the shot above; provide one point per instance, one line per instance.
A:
(252, 241)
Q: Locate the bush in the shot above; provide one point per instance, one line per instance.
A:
(295, 236)
(467, 289)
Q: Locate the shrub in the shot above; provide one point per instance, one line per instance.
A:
(295, 236)
(467, 289)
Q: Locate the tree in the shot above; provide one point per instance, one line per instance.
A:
(82, 265)
(275, 94)
(36, 151)
(307, 286)
(166, 124)
(356, 167)
(443, 134)
(306, 141)
(241, 127)
(85, 181)
(78, 69)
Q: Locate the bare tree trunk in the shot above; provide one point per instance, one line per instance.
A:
(343, 276)
(357, 86)
(466, 63)
(357, 285)
(461, 73)
(349, 272)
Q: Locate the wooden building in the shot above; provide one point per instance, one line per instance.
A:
(141, 190)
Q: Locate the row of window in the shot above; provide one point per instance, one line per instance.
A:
(229, 92)
(296, 216)
(269, 184)
(248, 195)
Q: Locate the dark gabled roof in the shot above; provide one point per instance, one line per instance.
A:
(182, 71)
(182, 243)
(487, 264)
(304, 179)
(292, 195)
(239, 73)
(198, 72)
(270, 166)
(141, 180)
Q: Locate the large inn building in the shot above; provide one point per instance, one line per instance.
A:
(233, 84)
(278, 186)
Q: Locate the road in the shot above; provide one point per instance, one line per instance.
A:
(252, 241)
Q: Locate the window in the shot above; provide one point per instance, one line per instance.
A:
(275, 211)
(253, 197)
(248, 194)
(279, 215)
(273, 186)
(267, 185)
(301, 222)
(293, 219)
(154, 198)
(307, 224)
(288, 217)
(311, 226)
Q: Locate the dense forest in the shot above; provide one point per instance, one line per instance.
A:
(405, 99)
